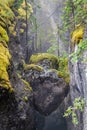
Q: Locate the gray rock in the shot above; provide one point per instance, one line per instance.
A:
(16, 113)
(48, 93)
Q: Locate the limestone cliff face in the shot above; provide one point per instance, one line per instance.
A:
(78, 86)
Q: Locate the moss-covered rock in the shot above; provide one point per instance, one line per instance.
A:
(33, 67)
(63, 71)
(57, 65)
(22, 11)
(4, 63)
(27, 84)
(6, 13)
(77, 34)
(3, 35)
(8, 2)
(28, 87)
(40, 57)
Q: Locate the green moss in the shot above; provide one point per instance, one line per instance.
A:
(53, 70)
(63, 71)
(24, 25)
(3, 35)
(2, 24)
(41, 56)
(77, 34)
(22, 11)
(25, 98)
(18, 74)
(34, 67)
(21, 30)
(64, 75)
(28, 87)
(6, 13)
(4, 63)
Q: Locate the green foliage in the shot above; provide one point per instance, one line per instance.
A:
(81, 48)
(78, 105)
(75, 13)
(53, 48)
(63, 71)
(17, 3)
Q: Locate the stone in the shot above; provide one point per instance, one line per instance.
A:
(16, 113)
(48, 93)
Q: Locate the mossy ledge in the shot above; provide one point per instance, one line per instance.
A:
(33, 67)
(36, 58)
(62, 62)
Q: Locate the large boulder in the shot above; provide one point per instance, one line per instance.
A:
(49, 89)
(46, 60)
(48, 93)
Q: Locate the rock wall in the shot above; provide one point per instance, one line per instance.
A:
(16, 111)
(78, 85)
